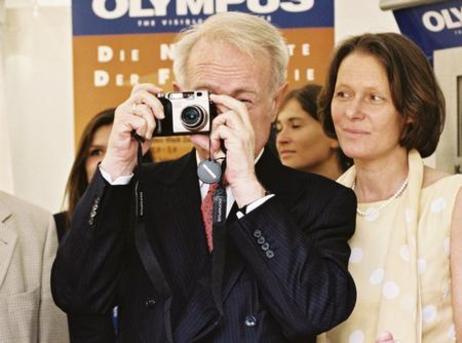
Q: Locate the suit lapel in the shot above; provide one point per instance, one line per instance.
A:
(233, 265)
(178, 236)
(188, 227)
(185, 202)
(8, 239)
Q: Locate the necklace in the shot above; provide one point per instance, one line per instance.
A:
(373, 212)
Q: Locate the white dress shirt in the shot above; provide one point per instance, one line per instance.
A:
(204, 187)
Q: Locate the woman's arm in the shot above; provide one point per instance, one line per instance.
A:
(456, 265)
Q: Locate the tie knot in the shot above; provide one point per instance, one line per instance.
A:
(213, 187)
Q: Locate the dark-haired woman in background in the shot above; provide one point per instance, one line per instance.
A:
(383, 103)
(91, 150)
(300, 140)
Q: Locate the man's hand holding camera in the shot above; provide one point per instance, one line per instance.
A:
(232, 128)
(137, 114)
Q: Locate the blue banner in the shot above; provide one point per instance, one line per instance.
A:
(433, 27)
(100, 17)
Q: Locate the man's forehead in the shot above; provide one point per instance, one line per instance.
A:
(226, 54)
(229, 88)
(225, 71)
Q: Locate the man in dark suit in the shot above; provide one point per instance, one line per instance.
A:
(277, 270)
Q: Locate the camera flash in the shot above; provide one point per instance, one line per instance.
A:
(175, 95)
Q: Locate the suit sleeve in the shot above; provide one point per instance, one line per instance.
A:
(91, 329)
(90, 258)
(52, 321)
(300, 258)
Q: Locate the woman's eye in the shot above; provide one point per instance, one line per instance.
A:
(375, 97)
(96, 152)
(341, 94)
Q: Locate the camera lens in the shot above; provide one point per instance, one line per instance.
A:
(193, 117)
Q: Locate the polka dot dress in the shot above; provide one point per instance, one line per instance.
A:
(400, 263)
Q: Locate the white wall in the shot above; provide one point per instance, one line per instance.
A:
(38, 78)
(6, 168)
(353, 17)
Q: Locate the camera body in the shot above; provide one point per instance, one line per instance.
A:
(186, 113)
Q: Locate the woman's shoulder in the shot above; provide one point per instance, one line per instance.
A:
(434, 178)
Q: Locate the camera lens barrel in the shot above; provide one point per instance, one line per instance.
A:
(194, 117)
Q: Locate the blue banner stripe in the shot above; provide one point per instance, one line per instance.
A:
(432, 27)
(101, 17)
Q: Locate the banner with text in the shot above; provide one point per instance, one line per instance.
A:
(118, 43)
(432, 27)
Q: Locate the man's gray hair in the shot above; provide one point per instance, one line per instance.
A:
(248, 33)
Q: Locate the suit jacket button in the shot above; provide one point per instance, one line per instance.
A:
(265, 246)
(261, 240)
(95, 204)
(93, 212)
(250, 321)
(257, 233)
(150, 303)
(269, 253)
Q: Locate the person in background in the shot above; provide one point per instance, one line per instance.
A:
(300, 140)
(90, 152)
(384, 105)
(28, 245)
(274, 269)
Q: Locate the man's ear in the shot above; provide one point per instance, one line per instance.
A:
(278, 99)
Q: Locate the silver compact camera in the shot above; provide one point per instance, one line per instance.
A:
(186, 113)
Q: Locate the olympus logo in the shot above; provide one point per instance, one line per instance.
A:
(158, 8)
(448, 18)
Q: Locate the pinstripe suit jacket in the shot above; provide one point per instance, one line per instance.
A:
(28, 246)
(298, 290)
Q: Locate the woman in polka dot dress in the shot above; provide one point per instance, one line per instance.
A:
(383, 103)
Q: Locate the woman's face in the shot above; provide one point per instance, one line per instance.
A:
(97, 150)
(300, 140)
(366, 121)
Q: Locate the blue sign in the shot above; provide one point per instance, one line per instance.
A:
(100, 17)
(432, 27)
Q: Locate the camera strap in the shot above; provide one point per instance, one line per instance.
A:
(147, 257)
(219, 241)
